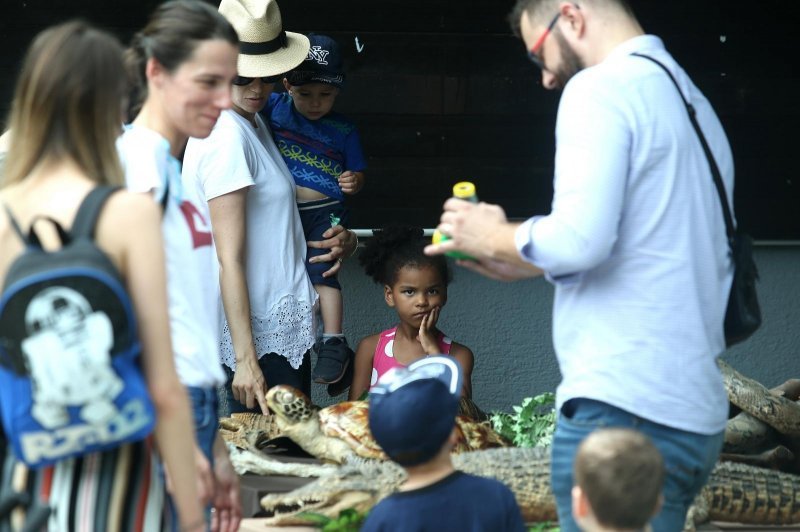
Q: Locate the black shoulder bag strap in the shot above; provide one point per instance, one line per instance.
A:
(84, 224)
(712, 164)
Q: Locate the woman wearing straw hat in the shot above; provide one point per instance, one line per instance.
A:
(268, 300)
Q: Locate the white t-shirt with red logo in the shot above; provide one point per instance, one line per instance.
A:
(192, 274)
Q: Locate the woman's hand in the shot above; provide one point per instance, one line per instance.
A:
(341, 243)
(249, 385)
(205, 477)
(227, 512)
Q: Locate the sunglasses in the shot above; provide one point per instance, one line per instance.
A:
(241, 81)
(533, 53)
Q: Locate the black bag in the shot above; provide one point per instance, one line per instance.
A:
(743, 315)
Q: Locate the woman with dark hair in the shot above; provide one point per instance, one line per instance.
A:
(65, 117)
(183, 62)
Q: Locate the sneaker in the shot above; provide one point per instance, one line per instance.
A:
(333, 358)
(339, 387)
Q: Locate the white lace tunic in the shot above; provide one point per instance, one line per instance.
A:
(282, 300)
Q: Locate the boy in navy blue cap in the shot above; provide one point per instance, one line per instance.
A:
(412, 416)
(323, 152)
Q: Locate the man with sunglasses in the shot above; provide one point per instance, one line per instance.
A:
(634, 244)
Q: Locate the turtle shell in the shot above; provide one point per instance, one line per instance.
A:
(476, 436)
(349, 421)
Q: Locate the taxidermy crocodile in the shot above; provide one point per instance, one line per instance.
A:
(734, 493)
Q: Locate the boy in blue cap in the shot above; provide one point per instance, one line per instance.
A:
(412, 416)
(323, 152)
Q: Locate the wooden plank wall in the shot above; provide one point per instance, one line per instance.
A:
(442, 92)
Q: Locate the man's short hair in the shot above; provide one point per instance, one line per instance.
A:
(621, 473)
(546, 9)
(532, 8)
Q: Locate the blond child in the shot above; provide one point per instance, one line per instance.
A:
(619, 475)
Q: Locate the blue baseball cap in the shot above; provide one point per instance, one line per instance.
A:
(412, 410)
(323, 64)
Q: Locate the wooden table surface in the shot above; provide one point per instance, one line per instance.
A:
(257, 525)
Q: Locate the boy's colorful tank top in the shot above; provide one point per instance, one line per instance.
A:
(384, 360)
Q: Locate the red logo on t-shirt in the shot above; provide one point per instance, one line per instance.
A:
(201, 231)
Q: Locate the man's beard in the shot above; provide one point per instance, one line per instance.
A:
(571, 63)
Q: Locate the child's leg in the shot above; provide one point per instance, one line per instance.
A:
(334, 356)
(330, 304)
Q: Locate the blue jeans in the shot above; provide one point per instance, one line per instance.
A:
(204, 412)
(206, 422)
(203, 403)
(276, 370)
(688, 458)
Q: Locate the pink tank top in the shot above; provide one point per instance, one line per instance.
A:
(384, 360)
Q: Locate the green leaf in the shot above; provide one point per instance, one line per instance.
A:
(546, 526)
(315, 518)
(348, 520)
(532, 422)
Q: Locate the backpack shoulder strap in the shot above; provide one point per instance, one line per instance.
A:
(15, 224)
(89, 211)
(32, 238)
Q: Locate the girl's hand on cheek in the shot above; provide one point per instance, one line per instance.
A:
(427, 332)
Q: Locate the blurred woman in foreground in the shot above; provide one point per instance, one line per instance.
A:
(65, 119)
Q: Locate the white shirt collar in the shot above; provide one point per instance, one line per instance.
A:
(640, 43)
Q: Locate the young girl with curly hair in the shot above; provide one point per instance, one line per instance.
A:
(415, 285)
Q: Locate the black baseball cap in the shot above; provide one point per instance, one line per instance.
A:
(322, 65)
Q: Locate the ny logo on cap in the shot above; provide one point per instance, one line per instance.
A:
(318, 54)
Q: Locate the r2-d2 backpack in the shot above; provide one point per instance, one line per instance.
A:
(70, 381)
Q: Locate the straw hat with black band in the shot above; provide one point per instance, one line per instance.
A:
(264, 48)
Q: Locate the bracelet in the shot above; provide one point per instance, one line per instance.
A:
(356, 246)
